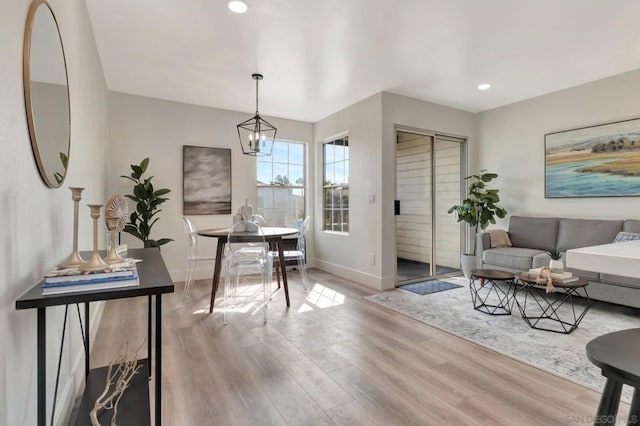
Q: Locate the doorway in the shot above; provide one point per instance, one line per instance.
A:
(428, 182)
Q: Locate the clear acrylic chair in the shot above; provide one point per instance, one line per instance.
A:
(245, 254)
(193, 257)
(297, 255)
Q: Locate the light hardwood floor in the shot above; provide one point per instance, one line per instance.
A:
(333, 358)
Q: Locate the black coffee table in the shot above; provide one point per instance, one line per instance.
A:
(618, 356)
(557, 312)
(487, 295)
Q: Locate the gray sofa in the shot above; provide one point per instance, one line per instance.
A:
(532, 237)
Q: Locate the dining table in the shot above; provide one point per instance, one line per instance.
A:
(272, 235)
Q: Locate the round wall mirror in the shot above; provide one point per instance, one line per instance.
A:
(46, 91)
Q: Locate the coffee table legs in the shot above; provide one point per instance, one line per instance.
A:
(489, 297)
(543, 311)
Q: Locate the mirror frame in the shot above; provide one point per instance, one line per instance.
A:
(26, 78)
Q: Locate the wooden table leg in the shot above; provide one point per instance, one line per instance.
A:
(216, 272)
(283, 268)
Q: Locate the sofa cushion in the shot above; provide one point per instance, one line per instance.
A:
(534, 232)
(574, 233)
(620, 280)
(631, 225)
(510, 257)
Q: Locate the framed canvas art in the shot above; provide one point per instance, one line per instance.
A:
(206, 180)
(596, 161)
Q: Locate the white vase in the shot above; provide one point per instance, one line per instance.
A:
(468, 262)
(556, 265)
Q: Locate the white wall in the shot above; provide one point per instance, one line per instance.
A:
(371, 127)
(37, 222)
(349, 255)
(407, 112)
(512, 145)
(145, 127)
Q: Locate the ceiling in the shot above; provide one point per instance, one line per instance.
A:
(319, 56)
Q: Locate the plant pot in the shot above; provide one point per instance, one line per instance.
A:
(468, 262)
(556, 265)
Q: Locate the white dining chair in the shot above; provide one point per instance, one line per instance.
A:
(298, 254)
(193, 257)
(245, 254)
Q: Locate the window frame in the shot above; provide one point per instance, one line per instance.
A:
(291, 186)
(329, 188)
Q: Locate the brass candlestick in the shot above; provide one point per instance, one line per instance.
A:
(95, 262)
(113, 256)
(75, 260)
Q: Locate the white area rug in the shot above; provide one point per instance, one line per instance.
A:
(560, 354)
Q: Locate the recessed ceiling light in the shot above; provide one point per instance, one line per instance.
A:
(237, 6)
(484, 86)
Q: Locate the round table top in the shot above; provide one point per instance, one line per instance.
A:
(523, 276)
(617, 352)
(269, 231)
(492, 274)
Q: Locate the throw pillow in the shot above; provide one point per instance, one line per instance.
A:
(626, 236)
(499, 238)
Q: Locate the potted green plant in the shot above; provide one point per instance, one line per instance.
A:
(147, 201)
(555, 264)
(478, 210)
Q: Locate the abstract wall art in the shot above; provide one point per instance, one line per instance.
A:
(206, 180)
(596, 161)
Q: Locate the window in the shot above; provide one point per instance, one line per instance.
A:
(280, 186)
(336, 185)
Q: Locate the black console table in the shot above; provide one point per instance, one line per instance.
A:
(617, 356)
(154, 280)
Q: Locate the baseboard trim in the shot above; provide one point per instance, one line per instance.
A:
(367, 280)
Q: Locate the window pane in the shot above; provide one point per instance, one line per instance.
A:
(328, 153)
(346, 172)
(265, 198)
(280, 173)
(280, 152)
(296, 153)
(281, 204)
(339, 173)
(336, 174)
(329, 178)
(345, 197)
(327, 220)
(296, 175)
(281, 198)
(339, 153)
(264, 172)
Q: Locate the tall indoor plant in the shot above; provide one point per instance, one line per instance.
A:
(147, 201)
(478, 210)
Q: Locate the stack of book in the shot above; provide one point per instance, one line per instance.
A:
(69, 280)
(556, 277)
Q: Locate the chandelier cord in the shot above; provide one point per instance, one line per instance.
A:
(257, 96)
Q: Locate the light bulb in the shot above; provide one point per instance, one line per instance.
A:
(237, 6)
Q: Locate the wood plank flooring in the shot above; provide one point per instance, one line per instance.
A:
(333, 358)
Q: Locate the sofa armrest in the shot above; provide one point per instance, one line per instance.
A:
(483, 242)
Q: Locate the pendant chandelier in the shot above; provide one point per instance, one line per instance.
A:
(256, 134)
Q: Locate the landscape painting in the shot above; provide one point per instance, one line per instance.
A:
(597, 161)
(206, 180)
